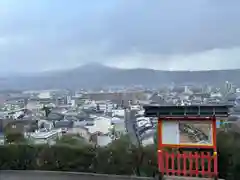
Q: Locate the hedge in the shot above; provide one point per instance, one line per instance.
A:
(117, 158)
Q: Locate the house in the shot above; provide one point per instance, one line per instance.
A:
(118, 112)
(157, 98)
(54, 116)
(104, 106)
(33, 105)
(81, 131)
(120, 98)
(101, 124)
(118, 127)
(44, 136)
(147, 137)
(231, 98)
(18, 126)
(184, 96)
(100, 139)
(45, 124)
(64, 125)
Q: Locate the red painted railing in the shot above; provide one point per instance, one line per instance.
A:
(193, 164)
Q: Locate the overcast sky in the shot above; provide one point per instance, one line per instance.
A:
(38, 35)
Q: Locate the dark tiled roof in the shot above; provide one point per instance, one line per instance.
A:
(231, 97)
(157, 99)
(55, 116)
(64, 124)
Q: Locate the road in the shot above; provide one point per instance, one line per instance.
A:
(48, 175)
(130, 121)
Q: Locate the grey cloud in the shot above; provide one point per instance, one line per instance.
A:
(57, 32)
(183, 26)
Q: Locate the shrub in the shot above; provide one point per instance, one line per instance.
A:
(120, 157)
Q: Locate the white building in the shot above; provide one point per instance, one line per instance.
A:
(73, 103)
(101, 124)
(105, 106)
(215, 95)
(148, 141)
(143, 122)
(81, 131)
(45, 137)
(44, 95)
(103, 140)
(33, 105)
(46, 124)
(118, 127)
(118, 112)
(135, 107)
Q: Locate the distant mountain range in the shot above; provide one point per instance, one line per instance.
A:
(96, 75)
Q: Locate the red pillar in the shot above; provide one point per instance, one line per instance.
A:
(215, 155)
(160, 153)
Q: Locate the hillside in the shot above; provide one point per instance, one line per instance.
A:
(95, 75)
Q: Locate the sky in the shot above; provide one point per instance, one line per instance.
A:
(40, 35)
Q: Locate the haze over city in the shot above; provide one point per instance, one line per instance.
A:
(166, 35)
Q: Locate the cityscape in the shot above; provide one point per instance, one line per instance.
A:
(119, 90)
(100, 117)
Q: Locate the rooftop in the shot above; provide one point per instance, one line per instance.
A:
(45, 134)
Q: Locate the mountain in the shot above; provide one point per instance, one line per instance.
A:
(97, 75)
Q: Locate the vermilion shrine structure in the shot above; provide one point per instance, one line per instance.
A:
(187, 139)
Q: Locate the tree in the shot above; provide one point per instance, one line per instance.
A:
(155, 138)
(47, 110)
(11, 137)
(72, 140)
(119, 157)
(229, 157)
